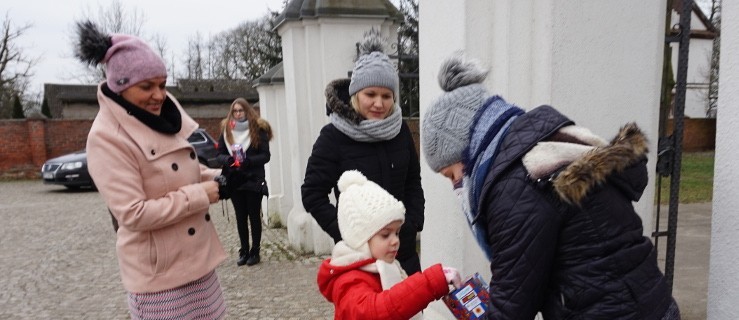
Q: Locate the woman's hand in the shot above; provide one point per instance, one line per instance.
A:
(211, 189)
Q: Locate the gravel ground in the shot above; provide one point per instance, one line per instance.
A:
(57, 261)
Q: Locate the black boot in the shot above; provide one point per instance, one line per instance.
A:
(253, 257)
(243, 259)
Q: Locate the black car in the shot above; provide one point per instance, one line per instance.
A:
(206, 147)
(70, 170)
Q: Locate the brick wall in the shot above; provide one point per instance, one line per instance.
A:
(29, 143)
(212, 126)
(698, 134)
(16, 155)
(65, 136)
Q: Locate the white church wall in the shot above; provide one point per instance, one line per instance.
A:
(279, 201)
(723, 283)
(606, 73)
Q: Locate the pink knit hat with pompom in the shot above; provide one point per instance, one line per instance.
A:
(128, 59)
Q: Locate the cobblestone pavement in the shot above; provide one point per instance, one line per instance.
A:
(57, 261)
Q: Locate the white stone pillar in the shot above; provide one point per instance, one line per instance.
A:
(723, 278)
(597, 62)
(280, 199)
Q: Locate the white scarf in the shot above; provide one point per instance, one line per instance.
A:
(240, 133)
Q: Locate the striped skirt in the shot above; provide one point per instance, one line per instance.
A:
(200, 299)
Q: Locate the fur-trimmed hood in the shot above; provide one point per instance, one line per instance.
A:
(588, 166)
(337, 101)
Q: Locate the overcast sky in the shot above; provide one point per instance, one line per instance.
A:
(51, 26)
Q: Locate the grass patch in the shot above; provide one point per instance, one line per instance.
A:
(696, 179)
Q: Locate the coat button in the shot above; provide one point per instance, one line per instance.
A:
(153, 152)
(175, 167)
(207, 217)
(191, 231)
(192, 154)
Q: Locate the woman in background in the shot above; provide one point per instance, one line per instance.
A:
(244, 144)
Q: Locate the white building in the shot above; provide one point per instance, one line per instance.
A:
(723, 281)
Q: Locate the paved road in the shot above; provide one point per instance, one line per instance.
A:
(57, 261)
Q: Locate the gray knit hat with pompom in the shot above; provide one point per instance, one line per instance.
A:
(446, 124)
(373, 67)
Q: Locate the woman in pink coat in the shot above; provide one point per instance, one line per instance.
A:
(151, 180)
(362, 278)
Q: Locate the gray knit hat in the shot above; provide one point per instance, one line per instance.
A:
(373, 67)
(446, 125)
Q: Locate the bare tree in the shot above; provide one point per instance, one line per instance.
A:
(226, 60)
(269, 45)
(408, 58)
(159, 44)
(115, 18)
(246, 40)
(194, 58)
(244, 52)
(15, 65)
(715, 57)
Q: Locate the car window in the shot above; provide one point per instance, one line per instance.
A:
(196, 138)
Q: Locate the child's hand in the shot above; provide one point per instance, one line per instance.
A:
(452, 276)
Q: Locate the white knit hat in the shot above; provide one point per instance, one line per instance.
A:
(364, 208)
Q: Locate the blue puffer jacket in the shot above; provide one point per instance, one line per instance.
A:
(566, 240)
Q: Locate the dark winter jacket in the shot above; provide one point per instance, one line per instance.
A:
(250, 175)
(567, 242)
(392, 164)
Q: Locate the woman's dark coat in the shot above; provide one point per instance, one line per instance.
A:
(250, 175)
(569, 244)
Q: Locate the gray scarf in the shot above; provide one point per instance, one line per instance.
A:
(370, 130)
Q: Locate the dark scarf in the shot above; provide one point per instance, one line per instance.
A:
(168, 122)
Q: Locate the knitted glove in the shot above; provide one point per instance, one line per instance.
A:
(452, 276)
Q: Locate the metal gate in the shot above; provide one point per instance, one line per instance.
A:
(669, 154)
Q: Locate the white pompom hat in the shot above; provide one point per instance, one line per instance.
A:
(364, 208)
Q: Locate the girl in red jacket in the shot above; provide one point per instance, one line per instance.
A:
(362, 278)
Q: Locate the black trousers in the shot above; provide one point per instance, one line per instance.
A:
(407, 254)
(248, 206)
